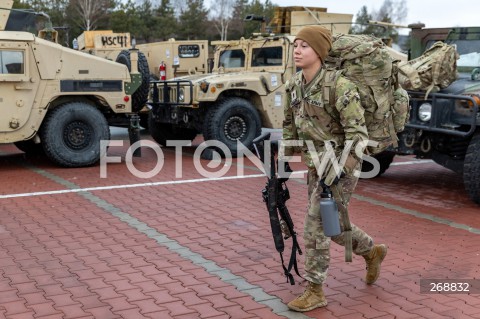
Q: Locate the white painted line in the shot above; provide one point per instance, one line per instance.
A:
(412, 162)
(187, 181)
(99, 188)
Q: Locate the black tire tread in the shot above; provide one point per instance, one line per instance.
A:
(56, 150)
(471, 169)
(214, 117)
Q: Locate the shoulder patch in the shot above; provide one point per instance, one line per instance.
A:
(347, 90)
(294, 80)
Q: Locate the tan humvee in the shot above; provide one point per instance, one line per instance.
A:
(178, 58)
(244, 93)
(60, 101)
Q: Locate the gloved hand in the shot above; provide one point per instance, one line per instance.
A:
(332, 177)
(287, 172)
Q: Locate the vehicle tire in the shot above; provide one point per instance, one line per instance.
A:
(163, 132)
(233, 119)
(140, 97)
(471, 169)
(144, 120)
(71, 134)
(30, 147)
(384, 158)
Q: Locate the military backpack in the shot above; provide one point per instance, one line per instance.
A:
(435, 68)
(364, 60)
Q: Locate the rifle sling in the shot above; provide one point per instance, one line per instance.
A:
(292, 262)
(347, 227)
(285, 215)
(278, 237)
(293, 256)
(286, 271)
(272, 207)
(272, 197)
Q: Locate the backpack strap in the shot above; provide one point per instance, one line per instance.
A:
(347, 226)
(329, 86)
(329, 96)
(395, 84)
(437, 68)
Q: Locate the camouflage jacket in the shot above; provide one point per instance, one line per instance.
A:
(307, 117)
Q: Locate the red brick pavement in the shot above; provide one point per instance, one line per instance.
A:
(71, 256)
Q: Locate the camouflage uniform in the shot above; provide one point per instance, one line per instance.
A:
(307, 117)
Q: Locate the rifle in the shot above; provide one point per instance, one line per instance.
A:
(275, 194)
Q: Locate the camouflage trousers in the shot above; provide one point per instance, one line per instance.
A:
(317, 245)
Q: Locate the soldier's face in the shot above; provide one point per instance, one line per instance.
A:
(304, 56)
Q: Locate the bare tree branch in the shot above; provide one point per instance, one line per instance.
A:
(221, 15)
(91, 12)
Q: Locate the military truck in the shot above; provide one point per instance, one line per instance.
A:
(244, 92)
(444, 125)
(60, 101)
(165, 59)
(175, 57)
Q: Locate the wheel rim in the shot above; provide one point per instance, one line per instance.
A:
(77, 135)
(235, 128)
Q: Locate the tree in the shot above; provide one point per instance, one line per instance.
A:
(91, 13)
(237, 25)
(124, 18)
(391, 12)
(166, 20)
(362, 25)
(19, 4)
(147, 22)
(36, 5)
(395, 11)
(221, 14)
(193, 21)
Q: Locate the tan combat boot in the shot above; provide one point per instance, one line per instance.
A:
(374, 259)
(311, 298)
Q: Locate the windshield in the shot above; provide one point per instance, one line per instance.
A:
(232, 59)
(469, 51)
(271, 56)
(21, 20)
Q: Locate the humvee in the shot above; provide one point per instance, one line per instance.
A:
(164, 60)
(244, 92)
(60, 101)
(444, 125)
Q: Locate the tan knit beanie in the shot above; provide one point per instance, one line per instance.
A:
(318, 37)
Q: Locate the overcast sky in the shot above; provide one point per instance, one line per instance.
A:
(433, 13)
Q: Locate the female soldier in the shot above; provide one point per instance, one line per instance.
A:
(309, 118)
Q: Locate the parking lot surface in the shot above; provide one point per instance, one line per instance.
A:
(178, 244)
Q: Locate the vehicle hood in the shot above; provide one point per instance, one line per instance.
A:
(58, 62)
(464, 84)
